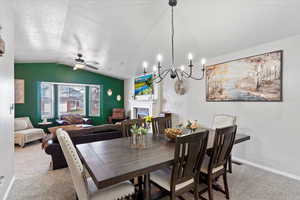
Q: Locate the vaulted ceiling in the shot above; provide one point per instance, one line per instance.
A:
(120, 34)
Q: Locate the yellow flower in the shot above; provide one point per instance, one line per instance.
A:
(148, 118)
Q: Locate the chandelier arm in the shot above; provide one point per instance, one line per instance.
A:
(191, 71)
(165, 73)
(185, 74)
(162, 75)
(160, 80)
(178, 76)
(201, 77)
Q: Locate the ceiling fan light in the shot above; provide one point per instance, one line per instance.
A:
(79, 66)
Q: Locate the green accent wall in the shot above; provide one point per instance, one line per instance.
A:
(34, 73)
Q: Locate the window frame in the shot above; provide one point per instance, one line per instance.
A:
(52, 101)
(70, 85)
(90, 101)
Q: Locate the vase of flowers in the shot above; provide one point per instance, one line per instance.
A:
(148, 120)
(138, 136)
(191, 125)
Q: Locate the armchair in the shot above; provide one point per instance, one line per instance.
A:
(118, 114)
(25, 132)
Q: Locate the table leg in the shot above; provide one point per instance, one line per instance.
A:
(147, 188)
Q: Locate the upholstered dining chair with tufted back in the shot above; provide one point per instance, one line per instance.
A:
(85, 187)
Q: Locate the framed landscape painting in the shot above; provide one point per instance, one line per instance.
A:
(255, 78)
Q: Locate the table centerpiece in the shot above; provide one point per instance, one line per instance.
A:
(138, 136)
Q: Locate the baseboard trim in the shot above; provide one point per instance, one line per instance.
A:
(269, 169)
(9, 187)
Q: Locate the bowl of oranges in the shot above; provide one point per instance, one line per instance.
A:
(172, 133)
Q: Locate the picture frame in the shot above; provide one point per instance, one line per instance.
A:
(19, 91)
(144, 88)
(255, 78)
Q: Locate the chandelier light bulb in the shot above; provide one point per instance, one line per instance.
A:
(159, 57)
(154, 68)
(182, 68)
(190, 56)
(203, 61)
(145, 65)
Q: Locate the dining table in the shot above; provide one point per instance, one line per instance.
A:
(113, 161)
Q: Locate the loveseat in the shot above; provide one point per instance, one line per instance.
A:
(85, 135)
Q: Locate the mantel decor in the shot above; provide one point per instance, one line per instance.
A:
(255, 78)
(174, 71)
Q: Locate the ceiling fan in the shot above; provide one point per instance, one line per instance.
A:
(80, 63)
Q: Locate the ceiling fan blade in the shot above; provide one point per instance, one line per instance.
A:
(92, 62)
(91, 66)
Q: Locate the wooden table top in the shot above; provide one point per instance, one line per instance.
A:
(112, 161)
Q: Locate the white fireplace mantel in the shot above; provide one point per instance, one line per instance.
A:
(151, 105)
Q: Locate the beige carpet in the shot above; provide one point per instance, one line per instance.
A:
(35, 182)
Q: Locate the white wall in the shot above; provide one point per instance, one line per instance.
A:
(273, 126)
(6, 88)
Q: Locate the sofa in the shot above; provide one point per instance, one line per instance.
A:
(69, 119)
(25, 132)
(85, 135)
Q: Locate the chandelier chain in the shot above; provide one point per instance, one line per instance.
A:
(173, 60)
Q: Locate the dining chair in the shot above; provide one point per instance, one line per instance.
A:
(224, 120)
(183, 176)
(85, 187)
(215, 165)
(159, 124)
(127, 124)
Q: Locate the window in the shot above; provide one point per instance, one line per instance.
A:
(94, 97)
(71, 99)
(47, 100)
(66, 98)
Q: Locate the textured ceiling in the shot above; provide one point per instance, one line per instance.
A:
(120, 34)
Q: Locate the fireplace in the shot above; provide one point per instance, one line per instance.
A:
(141, 109)
(140, 112)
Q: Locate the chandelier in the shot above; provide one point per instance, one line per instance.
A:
(175, 72)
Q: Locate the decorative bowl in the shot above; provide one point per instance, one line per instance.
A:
(172, 133)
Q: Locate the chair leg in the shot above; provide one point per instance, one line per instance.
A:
(230, 164)
(196, 192)
(226, 185)
(210, 188)
(172, 196)
(181, 198)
